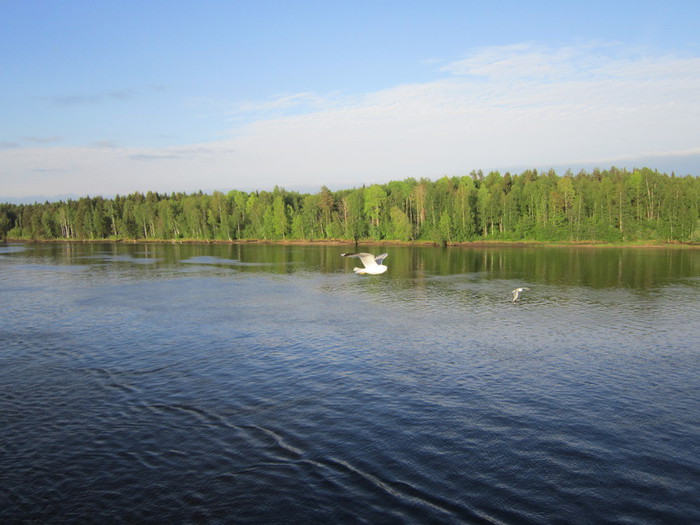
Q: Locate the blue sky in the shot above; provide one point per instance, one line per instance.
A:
(107, 97)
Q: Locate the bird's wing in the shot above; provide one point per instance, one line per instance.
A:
(366, 258)
(515, 294)
(380, 258)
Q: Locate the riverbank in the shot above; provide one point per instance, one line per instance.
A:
(372, 242)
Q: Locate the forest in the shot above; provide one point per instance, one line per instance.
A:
(614, 205)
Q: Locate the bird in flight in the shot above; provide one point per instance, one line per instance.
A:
(373, 265)
(516, 293)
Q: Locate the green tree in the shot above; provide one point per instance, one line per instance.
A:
(401, 225)
(445, 227)
(373, 206)
(352, 218)
(484, 208)
(463, 209)
(5, 222)
(608, 205)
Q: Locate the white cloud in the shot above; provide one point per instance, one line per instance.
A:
(523, 105)
(42, 140)
(280, 102)
(516, 61)
(531, 106)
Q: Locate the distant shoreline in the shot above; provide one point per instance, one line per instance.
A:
(368, 242)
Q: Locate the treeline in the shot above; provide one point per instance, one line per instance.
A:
(605, 205)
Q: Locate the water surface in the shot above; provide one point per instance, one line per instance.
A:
(249, 383)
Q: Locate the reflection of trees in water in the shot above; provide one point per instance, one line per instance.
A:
(640, 268)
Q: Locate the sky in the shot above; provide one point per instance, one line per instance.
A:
(113, 97)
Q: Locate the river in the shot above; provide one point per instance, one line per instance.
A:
(271, 384)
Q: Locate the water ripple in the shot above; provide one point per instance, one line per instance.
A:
(220, 392)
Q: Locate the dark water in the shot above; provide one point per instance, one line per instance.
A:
(268, 384)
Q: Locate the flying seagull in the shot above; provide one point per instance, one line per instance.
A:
(516, 293)
(373, 265)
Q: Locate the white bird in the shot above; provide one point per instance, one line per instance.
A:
(373, 265)
(516, 293)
